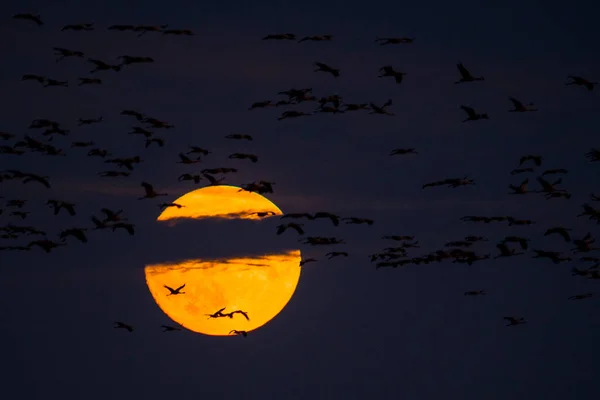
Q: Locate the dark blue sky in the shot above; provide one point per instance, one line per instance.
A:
(350, 331)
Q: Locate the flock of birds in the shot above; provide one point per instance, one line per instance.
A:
(457, 251)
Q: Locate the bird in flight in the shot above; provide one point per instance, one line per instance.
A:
(465, 75)
(515, 321)
(173, 292)
(122, 325)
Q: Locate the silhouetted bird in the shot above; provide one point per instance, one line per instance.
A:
(520, 107)
(472, 115)
(515, 321)
(326, 68)
(174, 292)
(29, 17)
(150, 192)
(579, 81)
(388, 70)
(465, 75)
(122, 325)
(282, 228)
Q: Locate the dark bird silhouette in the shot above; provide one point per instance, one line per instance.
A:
(261, 104)
(198, 150)
(89, 81)
(521, 189)
(475, 293)
(212, 180)
(593, 155)
(515, 321)
(383, 109)
(243, 313)
(130, 228)
(298, 215)
(89, 121)
(143, 29)
(317, 38)
(292, 114)
(523, 242)
(64, 53)
(505, 251)
(564, 232)
(77, 233)
(283, 227)
(102, 66)
(159, 141)
(581, 296)
(122, 325)
(242, 156)
(239, 333)
(113, 174)
(127, 60)
(554, 256)
(167, 205)
(307, 260)
(472, 115)
(46, 245)
(178, 32)
(138, 115)
(403, 151)
(170, 328)
(333, 254)
(398, 237)
(335, 219)
(394, 40)
(238, 137)
(189, 177)
(263, 214)
(357, 221)
(29, 17)
(150, 192)
(520, 107)
(326, 68)
(388, 70)
(78, 27)
(530, 157)
(280, 36)
(112, 216)
(98, 153)
(54, 82)
(186, 160)
(465, 75)
(579, 81)
(32, 77)
(520, 171)
(174, 292)
(555, 171)
(59, 205)
(121, 28)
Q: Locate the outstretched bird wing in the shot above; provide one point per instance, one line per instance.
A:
(463, 71)
(470, 111)
(517, 103)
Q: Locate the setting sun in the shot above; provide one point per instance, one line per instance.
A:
(221, 201)
(261, 286)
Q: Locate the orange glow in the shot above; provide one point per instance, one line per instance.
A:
(220, 201)
(261, 286)
(258, 285)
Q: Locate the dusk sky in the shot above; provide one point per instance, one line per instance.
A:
(351, 330)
